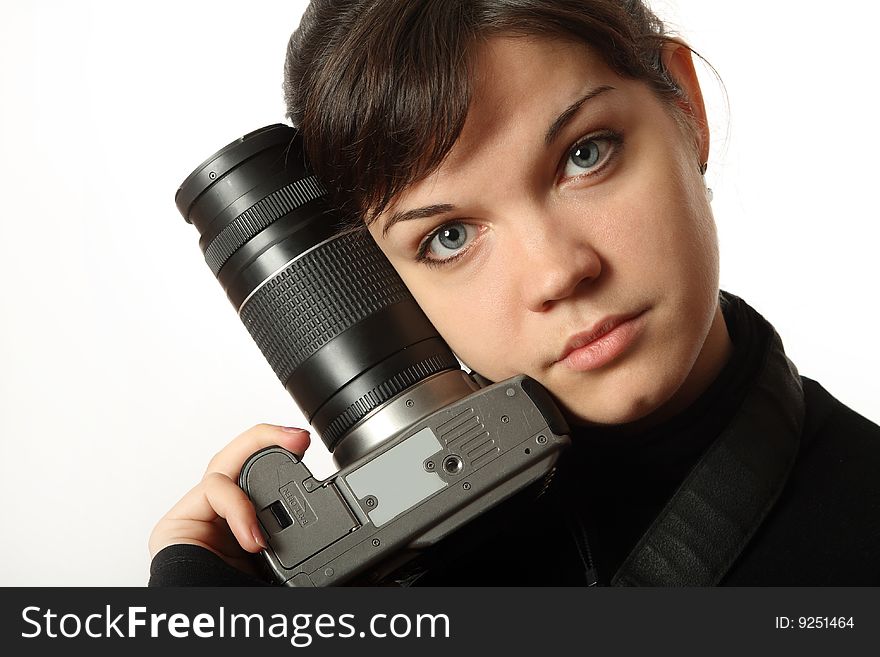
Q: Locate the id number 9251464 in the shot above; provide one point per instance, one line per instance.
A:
(814, 622)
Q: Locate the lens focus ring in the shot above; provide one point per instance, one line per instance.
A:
(318, 296)
(258, 216)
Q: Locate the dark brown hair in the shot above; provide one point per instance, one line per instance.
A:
(380, 88)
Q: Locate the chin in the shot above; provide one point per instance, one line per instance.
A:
(639, 408)
(608, 414)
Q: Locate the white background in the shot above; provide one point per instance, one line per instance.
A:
(123, 367)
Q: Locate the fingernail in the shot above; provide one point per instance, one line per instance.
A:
(260, 538)
(293, 430)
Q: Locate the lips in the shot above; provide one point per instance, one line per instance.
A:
(600, 328)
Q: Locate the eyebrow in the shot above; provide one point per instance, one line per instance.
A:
(563, 119)
(418, 213)
(552, 133)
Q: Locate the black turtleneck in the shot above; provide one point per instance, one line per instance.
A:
(622, 481)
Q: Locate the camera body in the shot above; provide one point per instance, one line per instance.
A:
(422, 485)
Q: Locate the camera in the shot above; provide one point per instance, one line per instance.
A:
(423, 448)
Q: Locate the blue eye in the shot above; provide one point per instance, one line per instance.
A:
(585, 155)
(590, 154)
(446, 242)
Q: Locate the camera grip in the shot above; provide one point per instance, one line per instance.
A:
(300, 515)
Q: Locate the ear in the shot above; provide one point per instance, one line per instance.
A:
(678, 62)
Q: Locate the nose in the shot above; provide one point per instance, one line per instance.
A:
(556, 263)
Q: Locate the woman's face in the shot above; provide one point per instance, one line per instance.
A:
(549, 218)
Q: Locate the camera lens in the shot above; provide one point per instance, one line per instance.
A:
(324, 305)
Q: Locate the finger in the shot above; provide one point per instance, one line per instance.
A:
(198, 503)
(229, 460)
(192, 506)
(232, 504)
(193, 519)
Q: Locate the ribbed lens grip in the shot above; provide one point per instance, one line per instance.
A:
(258, 216)
(317, 297)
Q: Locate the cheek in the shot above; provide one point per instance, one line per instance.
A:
(664, 228)
(678, 261)
(474, 313)
(473, 309)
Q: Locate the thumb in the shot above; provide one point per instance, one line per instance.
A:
(294, 439)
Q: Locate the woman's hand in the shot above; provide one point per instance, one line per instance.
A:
(217, 514)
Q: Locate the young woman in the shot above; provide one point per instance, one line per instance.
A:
(534, 172)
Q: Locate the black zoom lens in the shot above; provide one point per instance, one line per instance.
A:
(324, 305)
